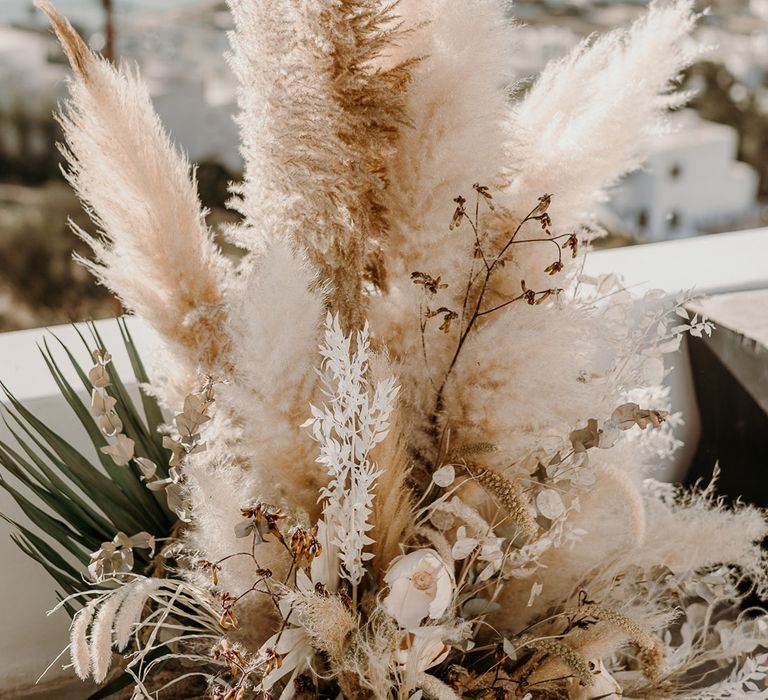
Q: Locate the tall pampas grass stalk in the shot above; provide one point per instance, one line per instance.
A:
(154, 249)
(318, 58)
(588, 118)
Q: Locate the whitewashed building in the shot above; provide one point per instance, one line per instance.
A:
(691, 183)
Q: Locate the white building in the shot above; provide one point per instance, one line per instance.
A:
(690, 183)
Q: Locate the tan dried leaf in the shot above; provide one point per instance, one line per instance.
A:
(121, 451)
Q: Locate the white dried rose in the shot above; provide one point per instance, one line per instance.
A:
(420, 585)
(421, 649)
(604, 685)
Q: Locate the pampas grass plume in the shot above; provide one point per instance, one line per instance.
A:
(154, 250)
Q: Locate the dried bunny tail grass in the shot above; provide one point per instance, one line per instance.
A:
(78, 640)
(473, 449)
(319, 181)
(649, 647)
(328, 622)
(155, 251)
(563, 652)
(652, 660)
(131, 610)
(508, 496)
(101, 634)
(597, 642)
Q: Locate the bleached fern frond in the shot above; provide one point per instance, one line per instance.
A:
(347, 427)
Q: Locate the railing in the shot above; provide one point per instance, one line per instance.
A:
(712, 264)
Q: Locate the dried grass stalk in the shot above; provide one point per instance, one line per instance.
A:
(318, 181)
(560, 650)
(393, 506)
(328, 622)
(154, 250)
(649, 647)
(508, 496)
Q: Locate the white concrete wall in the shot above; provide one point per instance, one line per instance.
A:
(31, 640)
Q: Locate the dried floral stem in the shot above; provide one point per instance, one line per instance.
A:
(538, 213)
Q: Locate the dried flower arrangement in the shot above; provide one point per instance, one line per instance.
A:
(453, 498)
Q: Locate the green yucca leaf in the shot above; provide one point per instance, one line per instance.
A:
(69, 584)
(133, 424)
(152, 410)
(115, 515)
(55, 528)
(78, 518)
(122, 476)
(57, 485)
(128, 477)
(73, 504)
(44, 550)
(81, 470)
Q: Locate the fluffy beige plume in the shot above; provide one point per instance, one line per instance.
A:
(318, 117)
(258, 450)
(519, 382)
(588, 119)
(154, 250)
(585, 122)
(276, 314)
(456, 105)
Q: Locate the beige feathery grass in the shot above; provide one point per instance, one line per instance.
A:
(318, 115)
(328, 621)
(154, 249)
(393, 506)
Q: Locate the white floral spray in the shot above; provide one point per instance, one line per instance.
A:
(347, 427)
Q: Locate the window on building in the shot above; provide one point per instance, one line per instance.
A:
(675, 171)
(642, 219)
(673, 220)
